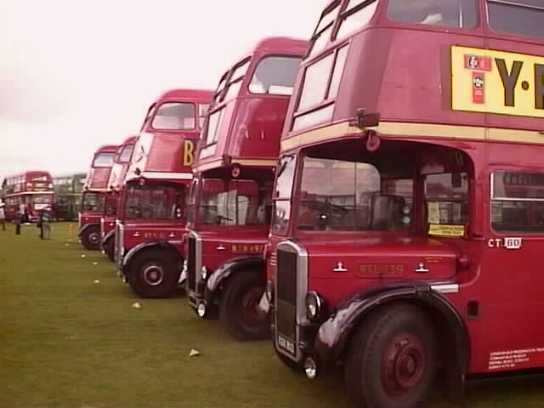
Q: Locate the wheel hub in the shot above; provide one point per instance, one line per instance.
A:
(94, 238)
(153, 275)
(250, 300)
(404, 364)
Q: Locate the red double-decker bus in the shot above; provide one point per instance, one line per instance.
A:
(409, 215)
(27, 194)
(119, 170)
(96, 199)
(152, 218)
(230, 204)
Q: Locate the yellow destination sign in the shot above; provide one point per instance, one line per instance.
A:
(447, 230)
(497, 82)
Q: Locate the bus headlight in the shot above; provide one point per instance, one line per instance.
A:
(204, 273)
(314, 306)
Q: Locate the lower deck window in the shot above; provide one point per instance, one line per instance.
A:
(517, 202)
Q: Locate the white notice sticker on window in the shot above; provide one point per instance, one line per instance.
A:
(434, 212)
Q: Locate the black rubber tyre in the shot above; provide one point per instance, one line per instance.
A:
(109, 248)
(238, 306)
(154, 274)
(90, 239)
(391, 360)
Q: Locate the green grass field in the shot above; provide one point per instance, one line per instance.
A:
(66, 341)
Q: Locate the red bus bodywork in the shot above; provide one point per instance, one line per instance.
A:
(32, 190)
(96, 198)
(237, 156)
(151, 227)
(115, 184)
(446, 185)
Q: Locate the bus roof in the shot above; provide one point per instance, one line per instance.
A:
(248, 122)
(121, 163)
(187, 95)
(28, 175)
(107, 149)
(166, 152)
(130, 140)
(423, 79)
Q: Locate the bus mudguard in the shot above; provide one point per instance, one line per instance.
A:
(226, 270)
(86, 227)
(333, 336)
(147, 246)
(108, 236)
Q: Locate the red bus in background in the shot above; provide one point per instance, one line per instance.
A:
(96, 199)
(409, 219)
(115, 184)
(230, 204)
(152, 219)
(28, 193)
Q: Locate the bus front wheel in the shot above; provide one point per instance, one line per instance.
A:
(90, 239)
(391, 361)
(154, 274)
(238, 307)
(109, 249)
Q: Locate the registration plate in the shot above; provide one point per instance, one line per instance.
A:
(286, 344)
(497, 82)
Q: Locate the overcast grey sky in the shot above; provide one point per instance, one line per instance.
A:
(77, 74)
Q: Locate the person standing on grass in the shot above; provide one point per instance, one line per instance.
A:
(22, 212)
(18, 220)
(2, 216)
(45, 225)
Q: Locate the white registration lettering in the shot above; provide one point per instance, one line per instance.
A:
(513, 243)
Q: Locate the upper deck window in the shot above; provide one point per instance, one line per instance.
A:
(220, 88)
(452, 13)
(316, 82)
(357, 14)
(321, 84)
(525, 17)
(202, 112)
(149, 113)
(275, 76)
(175, 116)
(213, 127)
(104, 160)
(212, 133)
(126, 154)
(324, 29)
(235, 80)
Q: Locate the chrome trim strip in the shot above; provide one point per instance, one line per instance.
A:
(166, 176)
(302, 288)
(446, 288)
(23, 193)
(198, 256)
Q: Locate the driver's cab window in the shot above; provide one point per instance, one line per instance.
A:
(446, 196)
(234, 202)
(353, 196)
